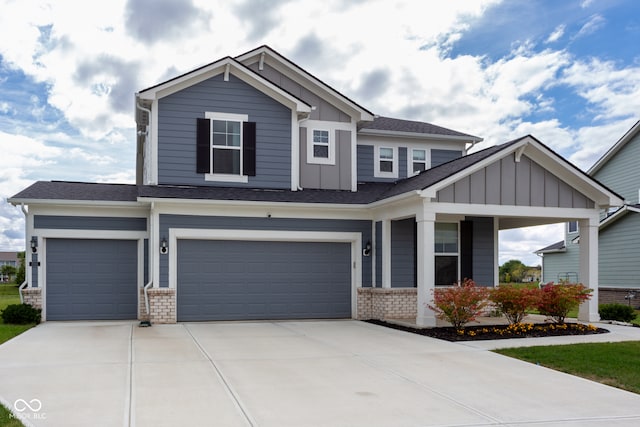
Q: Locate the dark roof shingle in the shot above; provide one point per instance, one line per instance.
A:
(409, 126)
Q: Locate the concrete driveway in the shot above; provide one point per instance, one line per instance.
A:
(306, 373)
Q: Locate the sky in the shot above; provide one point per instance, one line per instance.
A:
(566, 72)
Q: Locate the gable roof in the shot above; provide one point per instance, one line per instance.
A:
(266, 54)
(554, 248)
(224, 66)
(631, 133)
(387, 125)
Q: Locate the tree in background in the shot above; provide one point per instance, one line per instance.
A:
(512, 271)
(20, 274)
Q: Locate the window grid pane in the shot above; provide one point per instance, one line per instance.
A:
(226, 150)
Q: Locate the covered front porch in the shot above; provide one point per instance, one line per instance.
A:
(449, 230)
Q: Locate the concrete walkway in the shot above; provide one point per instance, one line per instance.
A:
(314, 373)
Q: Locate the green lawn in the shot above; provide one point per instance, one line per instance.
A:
(7, 420)
(614, 364)
(9, 295)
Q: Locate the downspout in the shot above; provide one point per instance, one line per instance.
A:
(301, 118)
(150, 284)
(24, 284)
(146, 149)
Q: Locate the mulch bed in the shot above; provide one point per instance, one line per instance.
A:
(498, 332)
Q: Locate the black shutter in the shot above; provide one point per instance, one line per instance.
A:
(203, 147)
(249, 148)
(466, 249)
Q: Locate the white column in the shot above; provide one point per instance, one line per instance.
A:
(426, 267)
(589, 268)
(386, 253)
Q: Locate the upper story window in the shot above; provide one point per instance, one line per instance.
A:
(320, 147)
(418, 160)
(572, 227)
(226, 146)
(386, 162)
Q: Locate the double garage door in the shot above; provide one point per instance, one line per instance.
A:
(238, 280)
(91, 279)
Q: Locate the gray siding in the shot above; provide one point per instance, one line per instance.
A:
(402, 162)
(619, 253)
(34, 269)
(378, 254)
(177, 115)
(507, 182)
(327, 177)
(246, 223)
(562, 265)
(439, 157)
(64, 222)
(323, 110)
(621, 173)
(484, 263)
(403, 253)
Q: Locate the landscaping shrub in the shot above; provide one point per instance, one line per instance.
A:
(21, 314)
(459, 304)
(514, 300)
(619, 312)
(558, 300)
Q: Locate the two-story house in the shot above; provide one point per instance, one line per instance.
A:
(263, 193)
(619, 236)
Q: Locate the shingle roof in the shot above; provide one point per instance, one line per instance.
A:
(556, 247)
(409, 126)
(367, 192)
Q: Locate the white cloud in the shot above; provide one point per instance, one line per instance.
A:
(595, 23)
(556, 34)
(522, 242)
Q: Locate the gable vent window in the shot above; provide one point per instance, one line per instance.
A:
(226, 147)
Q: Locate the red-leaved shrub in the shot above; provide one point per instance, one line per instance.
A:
(459, 304)
(514, 300)
(557, 300)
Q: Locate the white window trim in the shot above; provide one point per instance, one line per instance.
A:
(577, 230)
(331, 159)
(427, 159)
(376, 171)
(221, 177)
(456, 254)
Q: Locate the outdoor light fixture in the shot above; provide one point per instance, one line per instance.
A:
(34, 244)
(367, 249)
(163, 246)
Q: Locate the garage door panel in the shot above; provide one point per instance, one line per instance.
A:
(91, 279)
(228, 280)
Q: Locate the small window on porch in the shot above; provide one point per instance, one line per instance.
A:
(573, 227)
(446, 254)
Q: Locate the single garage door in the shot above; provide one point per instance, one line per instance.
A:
(234, 280)
(91, 279)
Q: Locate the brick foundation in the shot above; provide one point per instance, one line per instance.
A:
(387, 303)
(162, 305)
(617, 295)
(32, 296)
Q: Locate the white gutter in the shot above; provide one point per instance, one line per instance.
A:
(146, 297)
(146, 152)
(20, 288)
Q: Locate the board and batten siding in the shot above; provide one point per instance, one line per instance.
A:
(168, 221)
(619, 245)
(621, 173)
(177, 114)
(322, 111)
(327, 177)
(507, 182)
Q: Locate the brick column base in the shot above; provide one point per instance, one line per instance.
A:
(32, 296)
(162, 305)
(387, 303)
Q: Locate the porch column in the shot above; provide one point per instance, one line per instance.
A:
(386, 253)
(426, 267)
(589, 268)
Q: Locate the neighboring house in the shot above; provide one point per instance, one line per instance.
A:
(263, 193)
(619, 236)
(8, 258)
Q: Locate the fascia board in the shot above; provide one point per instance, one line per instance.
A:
(628, 136)
(247, 203)
(617, 215)
(307, 80)
(416, 135)
(79, 203)
(218, 68)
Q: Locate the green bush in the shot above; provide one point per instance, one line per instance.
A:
(619, 312)
(21, 314)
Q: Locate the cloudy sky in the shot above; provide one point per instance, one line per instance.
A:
(567, 72)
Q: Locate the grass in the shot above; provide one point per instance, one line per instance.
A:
(7, 420)
(9, 295)
(614, 364)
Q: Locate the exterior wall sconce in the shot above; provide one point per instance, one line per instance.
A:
(34, 244)
(163, 246)
(367, 249)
